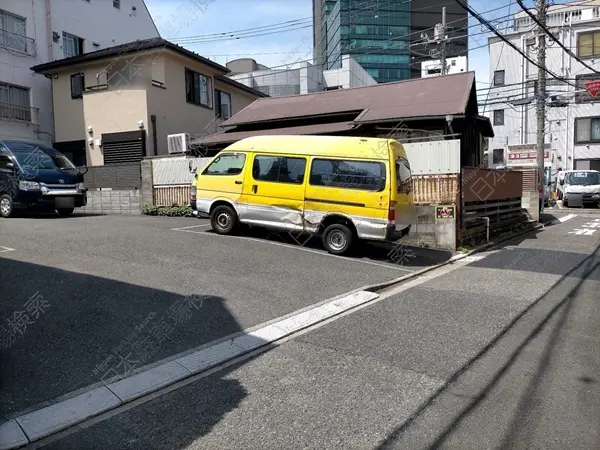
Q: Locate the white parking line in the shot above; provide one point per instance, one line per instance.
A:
(567, 217)
(192, 226)
(6, 249)
(296, 247)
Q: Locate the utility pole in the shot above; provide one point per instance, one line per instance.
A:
(444, 39)
(541, 97)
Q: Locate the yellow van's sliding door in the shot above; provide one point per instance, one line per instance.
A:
(274, 191)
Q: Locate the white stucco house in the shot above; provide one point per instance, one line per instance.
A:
(41, 31)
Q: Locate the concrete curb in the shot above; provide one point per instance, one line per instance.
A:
(47, 421)
(380, 286)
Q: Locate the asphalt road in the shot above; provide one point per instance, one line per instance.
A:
(90, 298)
(497, 353)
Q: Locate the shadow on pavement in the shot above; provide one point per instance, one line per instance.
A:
(27, 214)
(398, 254)
(527, 410)
(62, 331)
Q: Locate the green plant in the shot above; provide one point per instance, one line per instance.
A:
(171, 211)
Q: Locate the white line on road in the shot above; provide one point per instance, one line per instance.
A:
(193, 226)
(297, 247)
(6, 249)
(567, 217)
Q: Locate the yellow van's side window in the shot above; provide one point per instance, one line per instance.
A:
(226, 165)
(279, 169)
(348, 174)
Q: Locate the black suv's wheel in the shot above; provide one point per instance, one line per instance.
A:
(65, 212)
(6, 205)
(338, 239)
(224, 220)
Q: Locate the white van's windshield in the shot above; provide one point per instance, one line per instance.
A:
(583, 178)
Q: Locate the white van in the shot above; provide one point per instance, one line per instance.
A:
(586, 182)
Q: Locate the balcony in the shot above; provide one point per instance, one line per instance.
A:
(19, 114)
(17, 43)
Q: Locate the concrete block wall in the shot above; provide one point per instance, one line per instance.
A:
(122, 201)
(531, 202)
(436, 233)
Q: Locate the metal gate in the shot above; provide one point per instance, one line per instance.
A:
(126, 147)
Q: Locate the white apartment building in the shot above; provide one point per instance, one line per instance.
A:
(572, 132)
(39, 31)
(302, 77)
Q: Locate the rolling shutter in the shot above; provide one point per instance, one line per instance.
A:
(128, 147)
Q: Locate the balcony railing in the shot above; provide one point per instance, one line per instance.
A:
(17, 43)
(19, 114)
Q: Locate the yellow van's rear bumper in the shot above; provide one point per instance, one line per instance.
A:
(393, 234)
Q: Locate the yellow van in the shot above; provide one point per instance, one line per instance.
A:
(338, 188)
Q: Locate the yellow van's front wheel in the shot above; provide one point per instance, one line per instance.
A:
(223, 219)
(338, 239)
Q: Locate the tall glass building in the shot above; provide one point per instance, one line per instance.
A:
(378, 34)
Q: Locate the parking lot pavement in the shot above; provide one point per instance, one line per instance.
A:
(498, 353)
(91, 297)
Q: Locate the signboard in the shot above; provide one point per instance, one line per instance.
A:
(593, 87)
(445, 212)
(521, 155)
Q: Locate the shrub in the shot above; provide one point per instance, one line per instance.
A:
(171, 211)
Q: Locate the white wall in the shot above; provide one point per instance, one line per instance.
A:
(96, 20)
(455, 65)
(520, 121)
(351, 74)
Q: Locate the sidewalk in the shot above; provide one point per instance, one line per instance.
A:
(502, 352)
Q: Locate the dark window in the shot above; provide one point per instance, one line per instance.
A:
(279, 169)
(4, 161)
(369, 176)
(499, 78)
(77, 85)
(582, 95)
(403, 176)
(498, 156)
(222, 104)
(72, 45)
(117, 4)
(499, 117)
(588, 44)
(229, 164)
(587, 130)
(198, 88)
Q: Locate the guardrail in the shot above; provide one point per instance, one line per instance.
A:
(17, 43)
(19, 114)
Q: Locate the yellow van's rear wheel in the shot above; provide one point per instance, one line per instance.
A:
(223, 219)
(338, 239)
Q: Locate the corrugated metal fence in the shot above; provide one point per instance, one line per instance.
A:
(434, 157)
(172, 178)
(114, 176)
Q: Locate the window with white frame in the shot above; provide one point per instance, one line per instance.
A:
(72, 45)
(222, 104)
(12, 32)
(14, 103)
(498, 156)
(587, 130)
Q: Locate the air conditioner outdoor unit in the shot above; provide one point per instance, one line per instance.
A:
(178, 143)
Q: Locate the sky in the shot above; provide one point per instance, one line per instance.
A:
(189, 18)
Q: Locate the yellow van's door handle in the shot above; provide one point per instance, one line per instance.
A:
(238, 182)
(254, 188)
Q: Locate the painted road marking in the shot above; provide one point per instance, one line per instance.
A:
(6, 249)
(582, 232)
(193, 226)
(94, 401)
(473, 258)
(295, 247)
(567, 217)
(592, 225)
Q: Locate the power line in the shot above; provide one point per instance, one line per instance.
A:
(495, 31)
(545, 29)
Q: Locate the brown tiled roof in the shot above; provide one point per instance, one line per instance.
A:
(323, 128)
(421, 97)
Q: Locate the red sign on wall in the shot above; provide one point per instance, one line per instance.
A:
(526, 155)
(593, 87)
